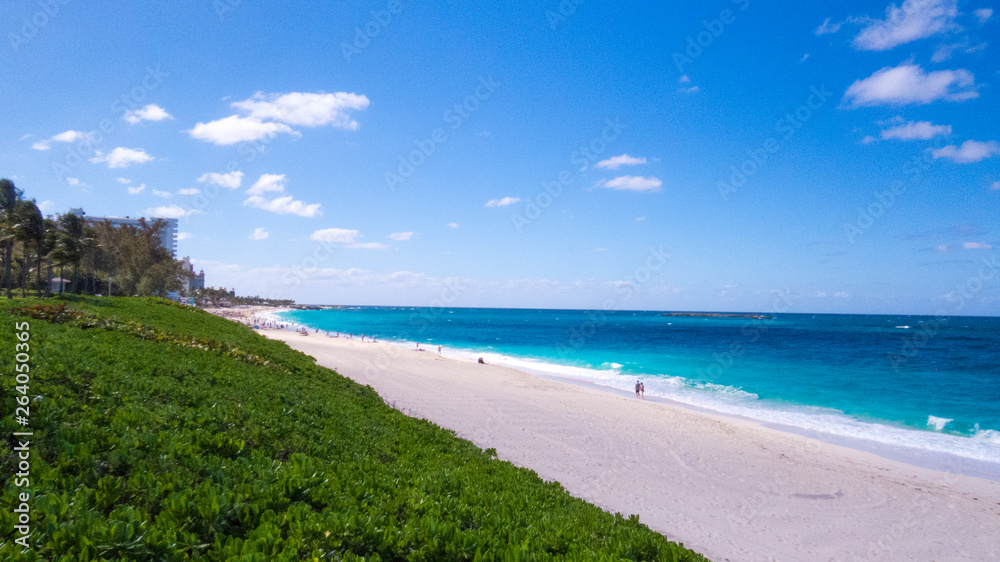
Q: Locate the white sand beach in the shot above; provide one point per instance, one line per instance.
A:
(728, 488)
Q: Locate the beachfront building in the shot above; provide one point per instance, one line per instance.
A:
(168, 236)
(196, 280)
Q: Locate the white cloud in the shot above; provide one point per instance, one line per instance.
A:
(945, 52)
(232, 180)
(159, 193)
(65, 136)
(804, 58)
(632, 183)
(453, 225)
(367, 246)
(685, 79)
(267, 183)
(916, 130)
(401, 236)
(347, 237)
(995, 186)
(691, 90)
(502, 202)
(305, 109)
(122, 157)
(335, 235)
(615, 162)
(284, 206)
(826, 27)
(135, 190)
(184, 235)
(259, 234)
(915, 19)
(984, 14)
(235, 129)
(640, 219)
(977, 246)
(909, 84)
(151, 112)
(46, 206)
(73, 181)
(841, 295)
(267, 115)
(868, 139)
(189, 191)
(941, 248)
(124, 181)
(72, 136)
(170, 212)
(970, 151)
(820, 294)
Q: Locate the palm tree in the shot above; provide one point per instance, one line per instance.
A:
(9, 196)
(50, 239)
(71, 242)
(28, 228)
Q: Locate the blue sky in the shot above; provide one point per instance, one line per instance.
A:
(697, 156)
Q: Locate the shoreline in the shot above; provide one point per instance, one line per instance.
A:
(731, 488)
(894, 442)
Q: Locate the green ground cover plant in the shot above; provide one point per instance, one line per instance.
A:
(162, 432)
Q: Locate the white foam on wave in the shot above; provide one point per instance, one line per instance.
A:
(938, 423)
(983, 445)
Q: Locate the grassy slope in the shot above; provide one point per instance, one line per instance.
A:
(151, 446)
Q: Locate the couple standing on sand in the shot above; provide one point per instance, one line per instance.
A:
(640, 388)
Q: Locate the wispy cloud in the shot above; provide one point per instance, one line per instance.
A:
(65, 136)
(170, 212)
(983, 14)
(136, 190)
(259, 234)
(915, 19)
(827, 27)
(915, 130)
(909, 84)
(400, 236)
(284, 206)
(970, 151)
(189, 191)
(231, 180)
(506, 201)
(616, 162)
(632, 183)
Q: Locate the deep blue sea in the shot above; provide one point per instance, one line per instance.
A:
(929, 384)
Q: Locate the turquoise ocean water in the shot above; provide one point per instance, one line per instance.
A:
(929, 385)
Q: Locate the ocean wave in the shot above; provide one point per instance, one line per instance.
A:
(938, 423)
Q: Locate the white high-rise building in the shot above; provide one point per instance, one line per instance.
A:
(168, 236)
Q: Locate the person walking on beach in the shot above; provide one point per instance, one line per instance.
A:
(638, 386)
(642, 390)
